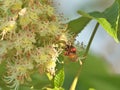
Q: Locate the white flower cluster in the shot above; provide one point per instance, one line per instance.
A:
(34, 39)
(17, 72)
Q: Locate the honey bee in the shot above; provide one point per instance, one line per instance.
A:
(70, 51)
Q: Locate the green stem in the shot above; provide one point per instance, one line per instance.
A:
(74, 83)
(91, 39)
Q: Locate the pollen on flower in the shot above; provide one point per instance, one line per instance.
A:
(8, 27)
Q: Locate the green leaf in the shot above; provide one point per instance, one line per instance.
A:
(77, 25)
(118, 33)
(108, 19)
(59, 78)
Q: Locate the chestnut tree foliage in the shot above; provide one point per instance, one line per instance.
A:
(35, 43)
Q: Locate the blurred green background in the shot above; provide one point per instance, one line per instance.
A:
(96, 73)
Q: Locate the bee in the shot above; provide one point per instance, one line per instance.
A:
(70, 51)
